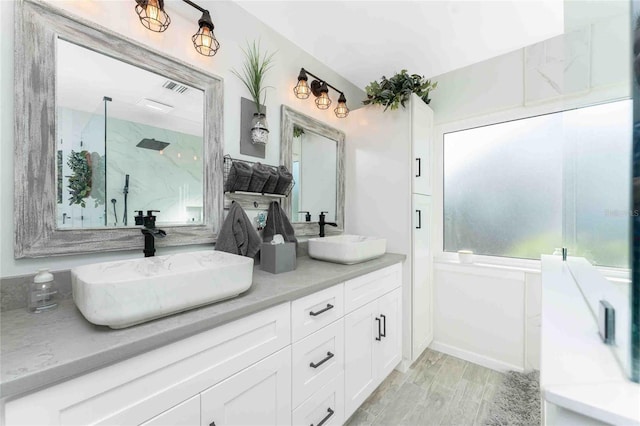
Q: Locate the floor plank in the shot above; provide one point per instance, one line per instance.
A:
(437, 389)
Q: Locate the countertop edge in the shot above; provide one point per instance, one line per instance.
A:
(14, 388)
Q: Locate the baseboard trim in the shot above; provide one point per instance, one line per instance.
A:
(482, 360)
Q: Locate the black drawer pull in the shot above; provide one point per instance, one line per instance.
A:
(379, 330)
(419, 219)
(315, 314)
(384, 326)
(419, 171)
(323, 421)
(327, 358)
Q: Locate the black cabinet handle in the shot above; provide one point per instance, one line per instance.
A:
(419, 167)
(314, 314)
(379, 330)
(323, 421)
(384, 326)
(327, 358)
(419, 219)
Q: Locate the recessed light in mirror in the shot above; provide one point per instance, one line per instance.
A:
(155, 106)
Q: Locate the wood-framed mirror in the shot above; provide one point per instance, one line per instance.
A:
(92, 147)
(314, 153)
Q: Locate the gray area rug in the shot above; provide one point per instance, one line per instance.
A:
(517, 401)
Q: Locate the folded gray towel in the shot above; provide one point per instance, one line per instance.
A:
(239, 177)
(284, 180)
(278, 223)
(237, 235)
(270, 185)
(259, 177)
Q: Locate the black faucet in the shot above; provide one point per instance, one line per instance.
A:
(322, 223)
(149, 231)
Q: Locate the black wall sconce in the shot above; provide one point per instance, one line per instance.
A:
(153, 17)
(320, 89)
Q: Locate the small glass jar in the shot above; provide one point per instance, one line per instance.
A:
(43, 293)
(259, 129)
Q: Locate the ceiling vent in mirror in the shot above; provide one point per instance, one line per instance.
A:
(175, 87)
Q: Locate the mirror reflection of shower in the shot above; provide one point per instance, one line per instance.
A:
(81, 167)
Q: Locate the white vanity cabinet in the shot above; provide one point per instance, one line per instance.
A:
(310, 361)
(184, 414)
(373, 337)
(258, 395)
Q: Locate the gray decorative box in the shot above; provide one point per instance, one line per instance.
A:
(277, 258)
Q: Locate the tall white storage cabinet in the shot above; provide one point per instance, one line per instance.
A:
(389, 178)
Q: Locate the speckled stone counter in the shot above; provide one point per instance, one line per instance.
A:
(39, 350)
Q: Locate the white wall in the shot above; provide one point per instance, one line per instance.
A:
(490, 313)
(234, 27)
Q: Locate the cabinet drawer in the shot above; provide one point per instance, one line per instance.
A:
(313, 312)
(185, 414)
(327, 404)
(362, 290)
(316, 360)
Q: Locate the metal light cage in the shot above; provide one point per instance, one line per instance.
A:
(152, 15)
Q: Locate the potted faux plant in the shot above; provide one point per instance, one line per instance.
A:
(397, 90)
(253, 76)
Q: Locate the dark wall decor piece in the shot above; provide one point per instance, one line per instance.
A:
(247, 109)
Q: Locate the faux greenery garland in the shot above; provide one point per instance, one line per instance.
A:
(397, 90)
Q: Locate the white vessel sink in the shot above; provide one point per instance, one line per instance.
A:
(128, 292)
(347, 249)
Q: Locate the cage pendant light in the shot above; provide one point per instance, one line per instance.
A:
(152, 15)
(302, 89)
(323, 101)
(341, 110)
(204, 41)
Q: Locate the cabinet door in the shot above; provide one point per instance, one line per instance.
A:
(421, 135)
(185, 414)
(360, 332)
(422, 327)
(388, 353)
(258, 395)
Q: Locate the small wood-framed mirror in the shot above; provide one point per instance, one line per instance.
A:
(314, 153)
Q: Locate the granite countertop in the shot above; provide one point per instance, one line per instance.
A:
(40, 350)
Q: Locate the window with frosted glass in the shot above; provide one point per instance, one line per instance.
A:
(525, 187)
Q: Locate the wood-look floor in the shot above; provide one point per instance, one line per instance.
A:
(437, 390)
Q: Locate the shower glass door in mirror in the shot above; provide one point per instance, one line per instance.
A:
(315, 173)
(127, 139)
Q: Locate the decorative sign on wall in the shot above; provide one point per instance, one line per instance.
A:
(247, 109)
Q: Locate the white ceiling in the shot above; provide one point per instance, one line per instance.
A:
(363, 40)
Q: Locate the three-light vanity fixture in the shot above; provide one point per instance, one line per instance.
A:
(153, 17)
(320, 90)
